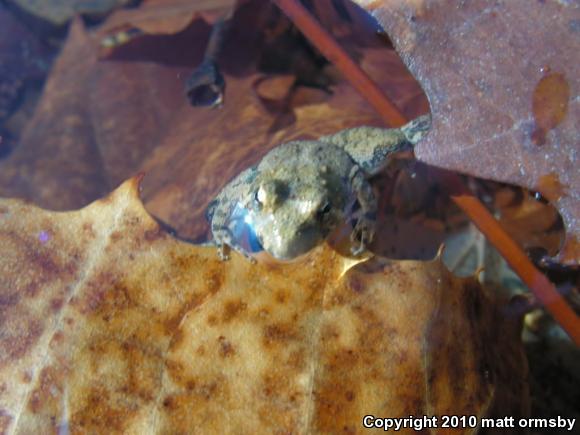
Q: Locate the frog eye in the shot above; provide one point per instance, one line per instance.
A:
(323, 211)
(258, 198)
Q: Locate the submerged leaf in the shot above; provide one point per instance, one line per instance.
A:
(167, 16)
(102, 121)
(502, 80)
(65, 146)
(59, 12)
(111, 325)
(22, 58)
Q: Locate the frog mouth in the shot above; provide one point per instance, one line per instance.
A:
(303, 241)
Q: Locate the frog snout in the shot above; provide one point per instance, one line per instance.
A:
(300, 242)
(271, 194)
(297, 225)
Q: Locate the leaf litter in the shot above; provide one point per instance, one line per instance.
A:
(137, 118)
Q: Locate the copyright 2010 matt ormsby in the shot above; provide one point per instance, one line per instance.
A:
(464, 421)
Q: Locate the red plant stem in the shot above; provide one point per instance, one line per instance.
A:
(336, 54)
(542, 288)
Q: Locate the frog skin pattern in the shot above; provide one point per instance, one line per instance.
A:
(302, 190)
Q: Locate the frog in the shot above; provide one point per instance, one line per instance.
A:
(300, 191)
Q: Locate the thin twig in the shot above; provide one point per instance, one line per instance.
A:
(542, 288)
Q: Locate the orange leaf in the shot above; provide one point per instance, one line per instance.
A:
(111, 325)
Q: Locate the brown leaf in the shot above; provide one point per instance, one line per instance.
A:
(111, 325)
(59, 12)
(502, 80)
(100, 122)
(87, 109)
(531, 223)
(280, 95)
(166, 16)
(68, 148)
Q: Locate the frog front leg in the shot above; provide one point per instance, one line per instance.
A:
(364, 230)
(220, 240)
(219, 214)
(224, 242)
(223, 238)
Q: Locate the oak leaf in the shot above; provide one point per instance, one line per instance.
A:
(502, 81)
(109, 324)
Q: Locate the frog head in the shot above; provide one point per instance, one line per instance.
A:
(294, 212)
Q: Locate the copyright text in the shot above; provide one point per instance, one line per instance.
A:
(464, 421)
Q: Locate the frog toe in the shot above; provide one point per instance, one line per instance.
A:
(361, 236)
(223, 252)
